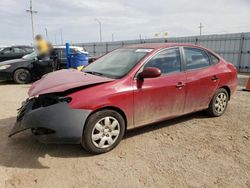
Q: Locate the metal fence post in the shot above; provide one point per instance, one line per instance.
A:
(242, 37)
(196, 40)
(94, 49)
(107, 50)
(68, 55)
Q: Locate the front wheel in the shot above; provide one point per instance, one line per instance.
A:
(22, 76)
(103, 131)
(218, 104)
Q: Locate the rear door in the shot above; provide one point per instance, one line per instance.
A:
(202, 79)
(156, 99)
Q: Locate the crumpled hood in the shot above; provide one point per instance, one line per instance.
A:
(64, 80)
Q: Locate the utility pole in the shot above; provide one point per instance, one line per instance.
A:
(140, 37)
(201, 26)
(112, 37)
(61, 36)
(46, 33)
(55, 40)
(31, 11)
(100, 28)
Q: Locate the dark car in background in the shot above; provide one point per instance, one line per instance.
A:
(29, 67)
(14, 52)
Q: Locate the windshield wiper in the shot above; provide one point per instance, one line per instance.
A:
(94, 73)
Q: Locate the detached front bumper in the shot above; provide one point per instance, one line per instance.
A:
(59, 123)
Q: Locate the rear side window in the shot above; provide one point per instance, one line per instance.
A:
(168, 61)
(195, 58)
(7, 51)
(213, 58)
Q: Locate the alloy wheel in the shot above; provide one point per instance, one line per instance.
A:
(105, 132)
(220, 103)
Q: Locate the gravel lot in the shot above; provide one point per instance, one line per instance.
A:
(191, 151)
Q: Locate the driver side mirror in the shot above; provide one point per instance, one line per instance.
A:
(150, 72)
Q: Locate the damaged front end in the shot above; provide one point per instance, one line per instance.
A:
(51, 119)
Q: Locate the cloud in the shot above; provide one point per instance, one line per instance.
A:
(125, 19)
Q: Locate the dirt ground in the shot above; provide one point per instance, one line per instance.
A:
(191, 151)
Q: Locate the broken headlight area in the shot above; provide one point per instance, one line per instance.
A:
(40, 101)
(48, 100)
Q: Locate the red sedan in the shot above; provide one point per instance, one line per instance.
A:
(127, 88)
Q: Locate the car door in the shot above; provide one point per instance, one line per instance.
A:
(162, 97)
(202, 79)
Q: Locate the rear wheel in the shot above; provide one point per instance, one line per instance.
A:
(22, 76)
(218, 104)
(103, 131)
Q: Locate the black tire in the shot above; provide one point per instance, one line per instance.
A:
(89, 144)
(213, 109)
(22, 76)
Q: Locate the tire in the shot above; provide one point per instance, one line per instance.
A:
(218, 104)
(22, 76)
(103, 131)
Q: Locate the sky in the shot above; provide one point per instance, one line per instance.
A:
(125, 19)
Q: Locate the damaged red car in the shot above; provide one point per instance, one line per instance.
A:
(127, 88)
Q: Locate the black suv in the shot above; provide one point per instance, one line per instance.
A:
(14, 52)
(29, 67)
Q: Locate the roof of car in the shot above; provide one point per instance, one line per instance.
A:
(13, 46)
(159, 45)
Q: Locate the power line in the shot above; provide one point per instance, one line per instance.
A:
(31, 11)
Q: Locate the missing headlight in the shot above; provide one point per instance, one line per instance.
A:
(48, 100)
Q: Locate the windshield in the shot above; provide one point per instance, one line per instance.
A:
(31, 56)
(118, 63)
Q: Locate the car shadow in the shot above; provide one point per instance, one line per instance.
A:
(163, 124)
(3, 82)
(9, 82)
(23, 151)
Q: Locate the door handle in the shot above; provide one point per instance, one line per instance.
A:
(180, 85)
(214, 78)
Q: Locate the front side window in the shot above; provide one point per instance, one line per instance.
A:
(18, 50)
(195, 58)
(29, 50)
(168, 61)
